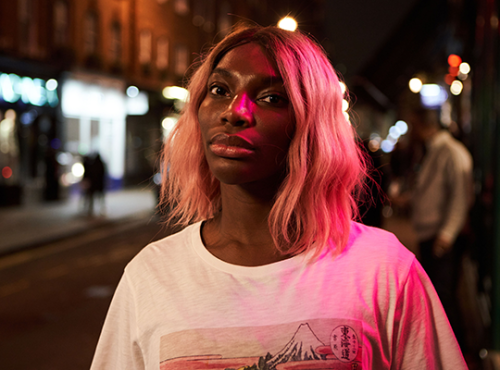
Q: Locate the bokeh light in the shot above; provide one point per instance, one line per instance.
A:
(454, 60)
(343, 87)
(415, 85)
(449, 79)
(464, 68)
(168, 123)
(387, 146)
(456, 87)
(402, 127)
(175, 92)
(345, 105)
(77, 170)
(288, 23)
(132, 91)
(51, 84)
(6, 172)
(433, 95)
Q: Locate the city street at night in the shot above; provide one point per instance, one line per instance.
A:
(267, 127)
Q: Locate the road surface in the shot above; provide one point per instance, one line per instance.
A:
(53, 299)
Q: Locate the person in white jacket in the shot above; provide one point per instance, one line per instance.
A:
(441, 200)
(271, 271)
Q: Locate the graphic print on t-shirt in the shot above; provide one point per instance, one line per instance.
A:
(312, 344)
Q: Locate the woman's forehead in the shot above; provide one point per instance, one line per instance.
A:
(248, 59)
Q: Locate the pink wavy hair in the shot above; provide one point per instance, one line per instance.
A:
(325, 167)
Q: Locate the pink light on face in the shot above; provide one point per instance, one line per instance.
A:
(245, 120)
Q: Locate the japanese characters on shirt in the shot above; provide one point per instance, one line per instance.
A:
(315, 344)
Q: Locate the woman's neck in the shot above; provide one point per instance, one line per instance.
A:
(240, 234)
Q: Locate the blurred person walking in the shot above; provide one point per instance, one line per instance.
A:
(441, 201)
(51, 189)
(94, 183)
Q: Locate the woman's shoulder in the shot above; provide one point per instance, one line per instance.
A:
(171, 248)
(375, 244)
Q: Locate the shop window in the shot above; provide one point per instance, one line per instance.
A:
(61, 23)
(94, 135)
(72, 134)
(181, 59)
(90, 33)
(162, 54)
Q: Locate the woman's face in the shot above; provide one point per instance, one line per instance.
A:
(245, 118)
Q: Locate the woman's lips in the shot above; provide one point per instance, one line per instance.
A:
(230, 146)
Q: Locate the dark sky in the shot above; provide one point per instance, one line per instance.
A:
(357, 28)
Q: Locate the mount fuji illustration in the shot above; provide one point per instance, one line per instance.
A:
(300, 348)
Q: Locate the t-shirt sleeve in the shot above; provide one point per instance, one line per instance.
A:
(423, 338)
(118, 346)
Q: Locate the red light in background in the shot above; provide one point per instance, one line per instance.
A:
(6, 172)
(453, 71)
(449, 79)
(454, 60)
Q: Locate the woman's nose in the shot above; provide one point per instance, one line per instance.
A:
(239, 111)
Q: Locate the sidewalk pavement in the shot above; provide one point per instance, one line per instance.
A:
(27, 226)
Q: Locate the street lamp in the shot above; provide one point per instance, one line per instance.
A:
(415, 85)
(288, 23)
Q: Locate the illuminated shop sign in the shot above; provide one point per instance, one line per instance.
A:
(433, 96)
(34, 91)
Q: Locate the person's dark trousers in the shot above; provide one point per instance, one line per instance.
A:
(444, 273)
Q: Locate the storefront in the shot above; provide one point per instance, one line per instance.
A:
(28, 136)
(94, 110)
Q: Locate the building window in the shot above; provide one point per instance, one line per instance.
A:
(60, 23)
(145, 40)
(181, 59)
(90, 33)
(162, 54)
(115, 47)
(27, 26)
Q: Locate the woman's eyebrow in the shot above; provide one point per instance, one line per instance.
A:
(266, 79)
(221, 71)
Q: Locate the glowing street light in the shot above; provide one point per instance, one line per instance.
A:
(402, 127)
(456, 87)
(132, 91)
(454, 60)
(415, 85)
(464, 68)
(288, 23)
(51, 84)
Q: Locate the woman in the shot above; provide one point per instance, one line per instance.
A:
(271, 273)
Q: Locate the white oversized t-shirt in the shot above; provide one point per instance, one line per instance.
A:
(372, 307)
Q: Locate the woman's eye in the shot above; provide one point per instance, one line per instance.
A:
(274, 99)
(217, 90)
